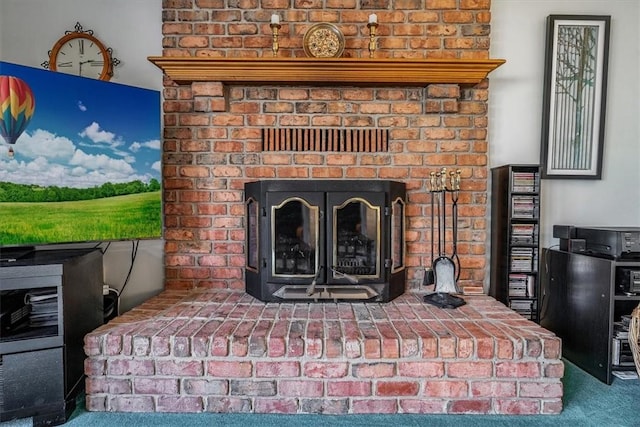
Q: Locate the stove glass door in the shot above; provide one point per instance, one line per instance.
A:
(355, 233)
(295, 235)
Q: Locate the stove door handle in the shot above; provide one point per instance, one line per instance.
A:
(349, 277)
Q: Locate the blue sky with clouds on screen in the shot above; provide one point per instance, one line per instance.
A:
(84, 132)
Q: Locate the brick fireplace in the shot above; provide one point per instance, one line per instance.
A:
(213, 127)
(206, 345)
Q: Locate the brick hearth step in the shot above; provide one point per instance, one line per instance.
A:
(224, 351)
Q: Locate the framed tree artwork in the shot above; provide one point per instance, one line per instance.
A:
(574, 99)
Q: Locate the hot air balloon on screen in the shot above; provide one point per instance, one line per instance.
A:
(17, 105)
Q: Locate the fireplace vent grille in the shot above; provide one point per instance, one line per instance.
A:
(326, 139)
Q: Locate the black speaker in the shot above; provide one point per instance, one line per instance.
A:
(564, 232)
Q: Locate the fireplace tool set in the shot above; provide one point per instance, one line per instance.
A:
(445, 267)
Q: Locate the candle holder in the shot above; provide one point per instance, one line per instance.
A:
(275, 29)
(373, 29)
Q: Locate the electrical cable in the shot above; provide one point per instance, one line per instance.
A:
(134, 253)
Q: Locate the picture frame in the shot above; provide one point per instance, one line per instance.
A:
(575, 94)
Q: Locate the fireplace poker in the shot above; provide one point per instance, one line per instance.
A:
(443, 210)
(428, 278)
(455, 194)
(438, 205)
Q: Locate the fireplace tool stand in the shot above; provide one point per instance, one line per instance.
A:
(445, 268)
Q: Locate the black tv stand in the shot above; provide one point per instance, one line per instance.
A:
(42, 354)
(13, 253)
(583, 300)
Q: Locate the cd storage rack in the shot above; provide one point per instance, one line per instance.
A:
(515, 222)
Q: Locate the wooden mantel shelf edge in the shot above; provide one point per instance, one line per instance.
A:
(337, 71)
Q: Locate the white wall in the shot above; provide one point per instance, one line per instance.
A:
(29, 28)
(518, 35)
(133, 29)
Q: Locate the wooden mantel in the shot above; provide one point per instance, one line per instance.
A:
(338, 71)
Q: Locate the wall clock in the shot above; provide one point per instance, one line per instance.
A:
(323, 41)
(80, 53)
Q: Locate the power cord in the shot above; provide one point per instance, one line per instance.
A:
(134, 253)
(112, 295)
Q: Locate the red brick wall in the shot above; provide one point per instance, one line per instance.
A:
(212, 142)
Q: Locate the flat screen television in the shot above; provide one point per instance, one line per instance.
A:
(83, 165)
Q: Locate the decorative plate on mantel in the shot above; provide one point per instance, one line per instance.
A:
(323, 40)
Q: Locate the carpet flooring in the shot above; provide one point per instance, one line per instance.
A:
(587, 402)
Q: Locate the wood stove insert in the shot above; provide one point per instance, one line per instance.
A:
(325, 240)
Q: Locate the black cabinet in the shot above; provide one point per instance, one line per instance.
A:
(49, 301)
(515, 221)
(582, 303)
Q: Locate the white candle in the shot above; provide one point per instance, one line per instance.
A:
(373, 18)
(275, 18)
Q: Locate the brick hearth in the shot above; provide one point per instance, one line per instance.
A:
(224, 351)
